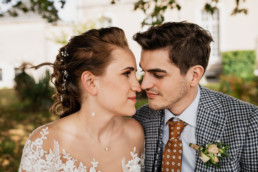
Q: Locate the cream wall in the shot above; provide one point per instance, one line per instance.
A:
(30, 40)
(241, 31)
(22, 42)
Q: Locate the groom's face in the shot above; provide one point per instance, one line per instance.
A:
(165, 86)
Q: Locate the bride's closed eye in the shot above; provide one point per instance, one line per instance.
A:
(127, 73)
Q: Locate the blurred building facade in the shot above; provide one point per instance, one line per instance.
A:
(28, 38)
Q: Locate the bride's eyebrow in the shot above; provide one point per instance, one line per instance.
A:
(129, 68)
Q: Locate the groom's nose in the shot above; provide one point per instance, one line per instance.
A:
(146, 82)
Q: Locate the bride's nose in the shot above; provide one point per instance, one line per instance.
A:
(136, 86)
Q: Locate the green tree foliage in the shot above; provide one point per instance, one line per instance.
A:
(45, 8)
(246, 90)
(35, 96)
(154, 10)
(24, 83)
(238, 79)
(239, 63)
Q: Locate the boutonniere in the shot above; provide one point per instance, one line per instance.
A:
(211, 153)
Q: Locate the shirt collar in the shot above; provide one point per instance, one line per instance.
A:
(190, 113)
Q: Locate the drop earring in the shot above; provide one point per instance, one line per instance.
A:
(93, 114)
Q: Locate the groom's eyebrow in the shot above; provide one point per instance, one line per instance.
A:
(154, 70)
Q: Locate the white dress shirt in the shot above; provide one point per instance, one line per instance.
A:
(188, 135)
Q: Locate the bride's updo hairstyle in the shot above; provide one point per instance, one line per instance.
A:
(90, 51)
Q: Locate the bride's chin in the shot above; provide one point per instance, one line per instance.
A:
(131, 112)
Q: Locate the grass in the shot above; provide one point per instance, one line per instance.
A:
(15, 126)
(7, 97)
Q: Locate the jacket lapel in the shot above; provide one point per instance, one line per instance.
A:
(210, 121)
(153, 140)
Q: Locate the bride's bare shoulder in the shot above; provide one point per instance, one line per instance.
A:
(51, 130)
(132, 126)
(133, 130)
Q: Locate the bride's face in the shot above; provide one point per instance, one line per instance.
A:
(118, 86)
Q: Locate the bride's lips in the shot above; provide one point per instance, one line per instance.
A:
(151, 94)
(132, 98)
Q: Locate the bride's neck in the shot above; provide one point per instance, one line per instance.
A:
(98, 125)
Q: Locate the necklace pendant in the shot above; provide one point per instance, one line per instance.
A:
(107, 148)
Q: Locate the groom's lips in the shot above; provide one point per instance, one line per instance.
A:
(151, 94)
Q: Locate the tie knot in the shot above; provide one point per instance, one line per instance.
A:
(175, 128)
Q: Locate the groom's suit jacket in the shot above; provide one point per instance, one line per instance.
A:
(220, 117)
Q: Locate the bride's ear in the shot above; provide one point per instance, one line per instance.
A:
(88, 82)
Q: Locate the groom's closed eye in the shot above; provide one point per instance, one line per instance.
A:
(157, 73)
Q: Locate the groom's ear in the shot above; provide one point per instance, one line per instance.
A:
(88, 82)
(196, 72)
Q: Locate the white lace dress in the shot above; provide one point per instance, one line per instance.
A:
(36, 159)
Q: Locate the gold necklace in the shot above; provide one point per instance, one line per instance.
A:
(107, 147)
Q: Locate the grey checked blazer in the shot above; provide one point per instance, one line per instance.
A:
(220, 117)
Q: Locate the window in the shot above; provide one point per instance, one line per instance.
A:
(1, 74)
(211, 23)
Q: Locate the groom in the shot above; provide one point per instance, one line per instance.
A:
(180, 111)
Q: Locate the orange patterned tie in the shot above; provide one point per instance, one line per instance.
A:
(172, 155)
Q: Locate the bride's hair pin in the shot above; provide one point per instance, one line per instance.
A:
(64, 55)
(61, 98)
(65, 78)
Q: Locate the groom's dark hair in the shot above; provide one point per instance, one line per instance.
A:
(188, 43)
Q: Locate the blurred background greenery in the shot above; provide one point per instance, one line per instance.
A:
(26, 106)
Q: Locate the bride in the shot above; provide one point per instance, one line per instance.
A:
(95, 80)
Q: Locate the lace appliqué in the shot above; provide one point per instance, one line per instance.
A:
(36, 159)
(135, 164)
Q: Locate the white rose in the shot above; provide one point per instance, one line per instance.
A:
(204, 157)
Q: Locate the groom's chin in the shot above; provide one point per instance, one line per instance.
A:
(154, 106)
